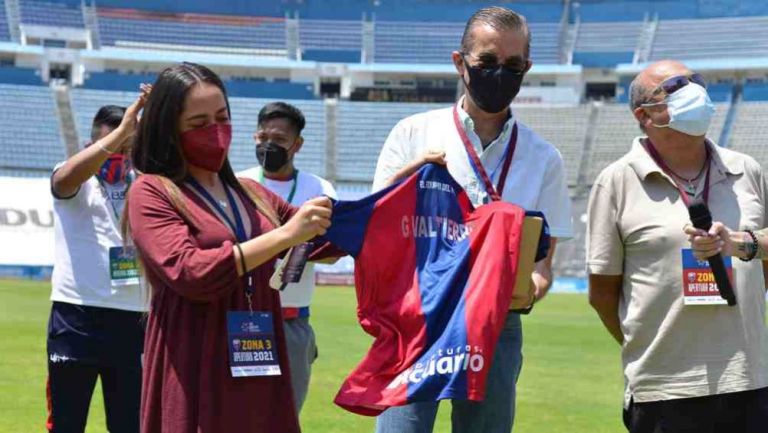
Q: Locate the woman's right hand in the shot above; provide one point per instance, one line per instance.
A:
(312, 219)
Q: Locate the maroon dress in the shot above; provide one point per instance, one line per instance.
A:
(189, 263)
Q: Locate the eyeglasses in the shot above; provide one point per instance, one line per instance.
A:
(516, 70)
(673, 84)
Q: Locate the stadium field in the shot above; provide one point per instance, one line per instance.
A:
(571, 380)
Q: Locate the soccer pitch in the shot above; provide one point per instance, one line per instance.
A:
(571, 379)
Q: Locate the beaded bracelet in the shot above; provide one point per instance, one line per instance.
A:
(753, 251)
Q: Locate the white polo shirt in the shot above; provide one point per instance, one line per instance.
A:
(308, 186)
(536, 179)
(85, 228)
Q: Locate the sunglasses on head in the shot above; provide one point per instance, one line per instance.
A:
(673, 84)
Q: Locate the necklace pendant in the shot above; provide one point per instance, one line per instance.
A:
(223, 204)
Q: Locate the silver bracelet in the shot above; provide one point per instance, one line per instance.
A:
(104, 149)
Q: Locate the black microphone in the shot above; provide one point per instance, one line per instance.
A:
(702, 219)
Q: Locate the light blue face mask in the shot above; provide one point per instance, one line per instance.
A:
(690, 110)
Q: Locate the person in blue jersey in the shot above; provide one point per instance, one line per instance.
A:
(278, 140)
(96, 326)
(493, 157)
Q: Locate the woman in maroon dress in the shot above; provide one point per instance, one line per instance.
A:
(207, 243)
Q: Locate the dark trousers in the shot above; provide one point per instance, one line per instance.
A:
(85, 343)
(739, 412)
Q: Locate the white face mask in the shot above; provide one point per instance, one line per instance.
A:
(690, 110)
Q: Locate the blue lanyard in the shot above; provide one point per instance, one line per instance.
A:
(237, 228)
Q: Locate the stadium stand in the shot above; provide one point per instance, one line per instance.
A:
(433, 42)
(750, 129)
(362, 128)
(570, 254)
(711, 38)
(755, 91)
(604, 44)
(635, 10)
(388, 10)
(128, 27)
(26, 76)
(5, 34)
(250, 88)
(568, 133)
(275, 89)
(85, 103)
(615, 130)
(30, 134)
(112, 80)
(331, 40)
(65, 13)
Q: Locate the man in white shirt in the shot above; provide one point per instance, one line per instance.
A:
(96, 326)
(493, 156)
(278, 140)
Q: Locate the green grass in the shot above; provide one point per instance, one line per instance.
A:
(571, 380)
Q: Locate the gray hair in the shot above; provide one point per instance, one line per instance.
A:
(500, 19)
(638, 94)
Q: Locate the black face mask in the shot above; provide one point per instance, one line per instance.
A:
(271, 156)
(493, 89)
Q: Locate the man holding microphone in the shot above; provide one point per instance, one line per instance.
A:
(493, 157)
(691, 362)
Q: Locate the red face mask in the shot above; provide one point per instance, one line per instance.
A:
(207, 147)
(115, 169)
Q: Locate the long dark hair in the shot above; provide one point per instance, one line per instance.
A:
(157, 148)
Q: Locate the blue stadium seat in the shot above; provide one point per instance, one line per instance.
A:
(66, 13)
(433, 42)
(36, 148)
(362, 128)
(720, 92)
(331, 40)
(270, 89)
(715, 38)
(606, 44)
(119, 27)
(4, 33)
(12, 75)
(401, 10)
(117, 81)
(755, 92)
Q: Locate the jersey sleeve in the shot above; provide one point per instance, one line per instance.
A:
(349, 222)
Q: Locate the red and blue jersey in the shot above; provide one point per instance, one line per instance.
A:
(434, 279)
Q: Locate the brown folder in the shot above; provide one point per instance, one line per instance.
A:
(529, 244)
